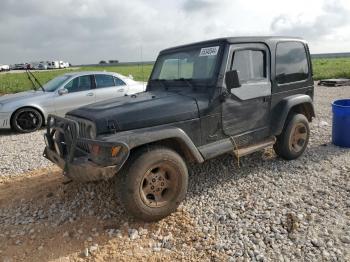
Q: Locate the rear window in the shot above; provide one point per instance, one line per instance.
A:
(104, 81)
(291, 62)
(118, 82)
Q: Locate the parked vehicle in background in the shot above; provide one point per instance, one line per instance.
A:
(28, 111)
(43, 66)
(22, 66)
(4, 68)
(53, 65)
(231, 95)
(63, 64)
(113, 61)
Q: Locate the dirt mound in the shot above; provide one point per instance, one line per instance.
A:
(44, 218)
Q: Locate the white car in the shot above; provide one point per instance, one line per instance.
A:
(27, 111)
(4, 68)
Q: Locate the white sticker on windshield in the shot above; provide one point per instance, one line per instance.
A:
(209, 51)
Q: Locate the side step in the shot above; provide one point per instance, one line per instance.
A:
(253, 148)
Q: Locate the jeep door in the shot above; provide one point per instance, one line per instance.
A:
(245, 112)
(79, 92)
(109, 86)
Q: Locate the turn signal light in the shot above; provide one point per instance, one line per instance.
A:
(115, 150)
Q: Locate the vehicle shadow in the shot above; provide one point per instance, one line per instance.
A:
(227, 168)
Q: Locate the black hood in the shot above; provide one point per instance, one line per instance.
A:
(138, 111)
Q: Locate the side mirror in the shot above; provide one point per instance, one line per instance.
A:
(232, 79)
(62, 91)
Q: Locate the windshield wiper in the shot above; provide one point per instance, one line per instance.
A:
(187, 81)
(30, 76)
(161, 81)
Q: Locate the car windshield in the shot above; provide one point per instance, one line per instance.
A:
(53, 84)
(195, 63)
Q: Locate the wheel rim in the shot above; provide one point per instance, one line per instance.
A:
(28, 121)
(298, 138)
(159, 185)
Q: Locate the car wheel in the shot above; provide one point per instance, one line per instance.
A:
(26, 120)
(294, 138)
(154, 182)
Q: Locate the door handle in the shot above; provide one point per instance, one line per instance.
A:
(89, 94)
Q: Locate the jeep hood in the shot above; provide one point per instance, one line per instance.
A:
(137, 111)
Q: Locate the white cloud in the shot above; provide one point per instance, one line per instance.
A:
(86, 31)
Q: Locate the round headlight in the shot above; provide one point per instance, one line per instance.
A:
(91, 132)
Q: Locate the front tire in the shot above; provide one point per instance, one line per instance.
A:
(26, 120)
(154, 182)
(293, 140)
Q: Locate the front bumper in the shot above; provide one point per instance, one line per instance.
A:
(67, 149)
(5, 120)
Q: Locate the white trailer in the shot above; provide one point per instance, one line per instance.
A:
(54, 65)
(4, 68)
(64, 64)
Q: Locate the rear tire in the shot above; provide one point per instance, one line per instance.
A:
(153, 183)
(26, 120)
(293, 140)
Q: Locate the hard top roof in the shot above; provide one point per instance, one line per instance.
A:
(242, 39)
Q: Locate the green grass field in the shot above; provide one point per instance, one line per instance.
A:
(16, 82)
(331, 68)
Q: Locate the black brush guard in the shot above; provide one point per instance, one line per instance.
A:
(62, 148)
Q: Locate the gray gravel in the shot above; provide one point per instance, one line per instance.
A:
(274, 209)
(21, 153)
(268, 209)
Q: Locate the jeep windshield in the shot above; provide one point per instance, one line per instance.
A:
(192, 64)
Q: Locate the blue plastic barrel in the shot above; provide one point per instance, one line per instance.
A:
(341, 123)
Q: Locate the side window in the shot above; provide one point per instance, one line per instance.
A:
(104, 81)
(291, 62)
(250, 65)
(81, 83)
(118, 82)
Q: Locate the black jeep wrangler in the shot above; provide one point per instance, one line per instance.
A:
(230, 95)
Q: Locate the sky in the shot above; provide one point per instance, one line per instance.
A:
(87, 31)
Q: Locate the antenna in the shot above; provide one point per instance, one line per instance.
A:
(143, 77)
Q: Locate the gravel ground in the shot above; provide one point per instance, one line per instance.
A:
(21, 153)
(265, 210)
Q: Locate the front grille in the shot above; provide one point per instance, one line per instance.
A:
(83, 132)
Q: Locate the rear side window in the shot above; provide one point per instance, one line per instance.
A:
(250, 65)
(104, 81)
(118, 82)
(291, 62)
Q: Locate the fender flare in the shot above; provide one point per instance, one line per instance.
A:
(282, 109)
(144, 136)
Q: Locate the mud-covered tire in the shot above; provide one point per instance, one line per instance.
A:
(153, 183)
(293, 140)
(26, 120)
